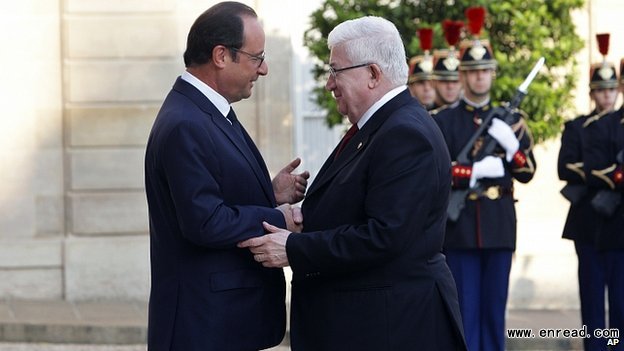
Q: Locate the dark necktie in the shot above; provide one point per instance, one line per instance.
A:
(345, 140)
(235, 124)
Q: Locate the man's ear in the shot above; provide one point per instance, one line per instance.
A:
(219, 54)
(375, 75)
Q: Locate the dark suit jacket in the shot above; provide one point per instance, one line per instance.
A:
(367, 271)
(208, 189)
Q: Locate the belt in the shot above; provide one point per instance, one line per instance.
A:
(493, 192)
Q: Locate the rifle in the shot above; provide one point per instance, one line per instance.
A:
(457, 199)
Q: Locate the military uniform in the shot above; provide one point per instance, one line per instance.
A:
(603, 140)
(588, 145)
(580, 223)
(480, 244)
(488, 221)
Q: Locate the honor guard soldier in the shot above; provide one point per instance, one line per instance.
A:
(479, 244)
(420, 80)
(582, 220)
(446, 68)
(603, 145)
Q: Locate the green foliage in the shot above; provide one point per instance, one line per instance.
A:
(520, 31)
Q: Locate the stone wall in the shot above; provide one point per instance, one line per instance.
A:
(32, 177)
(84, 81)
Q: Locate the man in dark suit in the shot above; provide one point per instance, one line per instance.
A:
(367, 270)
(208, 188)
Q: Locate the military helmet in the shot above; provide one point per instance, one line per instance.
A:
(446, 62)
(420, 69)
(603, 75)
(445, 65)
(476, 53)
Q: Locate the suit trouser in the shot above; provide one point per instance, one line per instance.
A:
(482, 278)
(597, 270)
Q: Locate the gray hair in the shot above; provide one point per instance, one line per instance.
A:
(375, 40)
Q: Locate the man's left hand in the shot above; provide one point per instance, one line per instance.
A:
(505, 136)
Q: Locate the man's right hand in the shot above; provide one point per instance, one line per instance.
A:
(489, 167)
(292, 216)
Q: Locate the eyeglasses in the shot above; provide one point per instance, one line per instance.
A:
(257, 58)
(333, 72)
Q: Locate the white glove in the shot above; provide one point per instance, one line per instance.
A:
(489, 167)
(502, 132)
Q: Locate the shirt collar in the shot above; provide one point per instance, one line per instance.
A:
(476, 105)
(377, 105)
(219, 101)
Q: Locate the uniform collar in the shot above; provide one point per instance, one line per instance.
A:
(471, 106)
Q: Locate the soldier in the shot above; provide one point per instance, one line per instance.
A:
(603, 149)
(420, 80)
(445, 68)
(480, 243)
(582, 220)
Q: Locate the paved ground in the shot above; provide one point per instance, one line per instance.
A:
(121, 326)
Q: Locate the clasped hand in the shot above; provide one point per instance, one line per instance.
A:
(505, 136)
(269, 249)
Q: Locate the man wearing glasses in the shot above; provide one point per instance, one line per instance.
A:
(208, 188)
(367, 269)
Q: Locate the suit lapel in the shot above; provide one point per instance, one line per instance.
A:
(244, 144)
(257, 163)
(358, 143)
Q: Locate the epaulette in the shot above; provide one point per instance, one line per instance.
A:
(444, 107)
(436, 110)
(595, 118)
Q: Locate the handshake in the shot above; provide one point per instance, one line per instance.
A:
(270, 249)
(293, 217)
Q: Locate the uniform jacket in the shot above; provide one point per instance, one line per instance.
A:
(604, 138)
(208, 189)
(580, 224)
(485, 223)
(367, 271)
